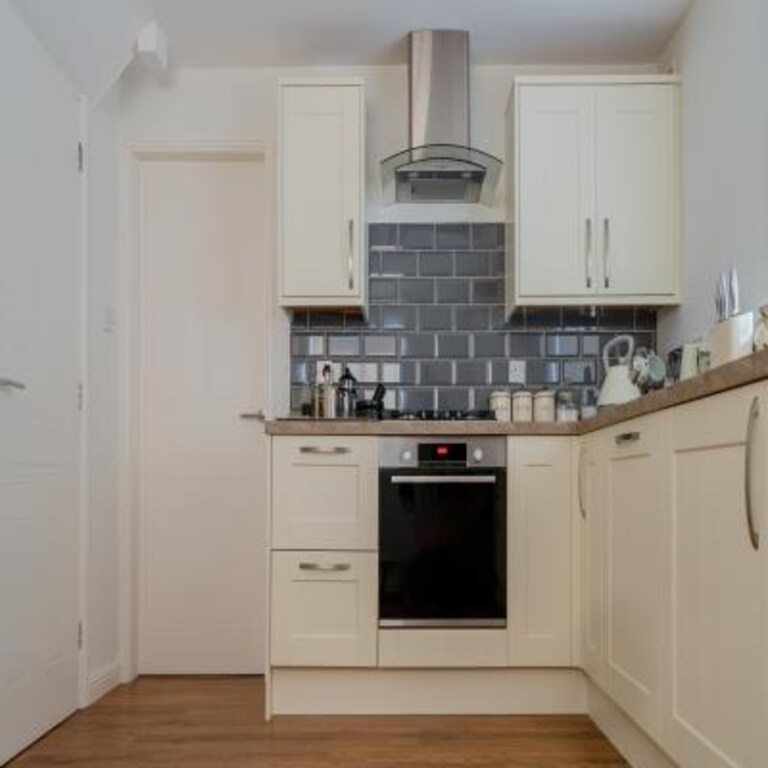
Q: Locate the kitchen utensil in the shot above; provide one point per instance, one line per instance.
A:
(544, 406)
(731, 339)
(522, 407)
(618, 387)
(733, 292)
(501, 405)
(346, 394)
(689, 361)
(647, 370)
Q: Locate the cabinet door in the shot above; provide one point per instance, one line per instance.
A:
(539, 545)
(590, 505)
(555, 198)
(321, 162)
(637, 190)
(324, 609)
(718, 713)
(636, 573)
(324, 493)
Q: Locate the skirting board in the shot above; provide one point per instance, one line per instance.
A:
(428, 691)
(639, 750)
(103, 681)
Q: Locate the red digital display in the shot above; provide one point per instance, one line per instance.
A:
(441, 450)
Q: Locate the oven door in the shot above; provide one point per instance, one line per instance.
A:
(442, 547)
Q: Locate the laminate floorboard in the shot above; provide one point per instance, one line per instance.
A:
(213, 722)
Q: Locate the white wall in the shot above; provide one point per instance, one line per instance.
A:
(722, 53)
(241, 104)
(102, 386)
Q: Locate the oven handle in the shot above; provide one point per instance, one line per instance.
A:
(443, 479)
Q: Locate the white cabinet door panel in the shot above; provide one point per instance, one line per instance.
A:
(636, 190)
(555, 202)
(321, 192)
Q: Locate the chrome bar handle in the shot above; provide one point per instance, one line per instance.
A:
(627, 437)
(580, 483)
(313, 449)
(12, 384)
(331, 568)
(588, 253)
(256, 416)
(754, 413)
(606, 250)
(443, 479)
(350, 253)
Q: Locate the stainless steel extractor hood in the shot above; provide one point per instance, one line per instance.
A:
(439, 165)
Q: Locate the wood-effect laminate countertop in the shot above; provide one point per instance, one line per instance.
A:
(739, 373)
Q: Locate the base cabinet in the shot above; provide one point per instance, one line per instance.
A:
(635, 569)
(539, 551)
(718, 712)
(324, 609)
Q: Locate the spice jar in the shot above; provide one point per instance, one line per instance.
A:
(522, 407)
(501, 405)
(544, 406)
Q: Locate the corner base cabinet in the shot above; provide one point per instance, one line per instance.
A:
(321, 239)
(595, 186)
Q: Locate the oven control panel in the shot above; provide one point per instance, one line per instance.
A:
(415, 452)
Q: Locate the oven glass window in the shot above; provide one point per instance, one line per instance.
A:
(442, 547)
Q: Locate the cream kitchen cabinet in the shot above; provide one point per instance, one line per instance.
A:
(324, 609)
(321, 197)
(324, 493)
(539, 551)
(718, 712)
(590, 506)
(635, 475)
(596, 191)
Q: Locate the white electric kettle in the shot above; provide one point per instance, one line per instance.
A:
(618, 386)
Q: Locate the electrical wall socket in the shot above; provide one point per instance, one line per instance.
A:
(517, 371)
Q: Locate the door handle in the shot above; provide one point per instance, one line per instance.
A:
(314, 450)
(606, 251)
(627, 437)
(255, 416)
(330, 568)
(588, 252)
(580, 482)
(754, 414)
(11, 384)
(350, 253)
(443, 479)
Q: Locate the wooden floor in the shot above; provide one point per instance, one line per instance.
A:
(212, 722)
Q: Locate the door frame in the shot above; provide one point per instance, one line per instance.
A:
(278, 328)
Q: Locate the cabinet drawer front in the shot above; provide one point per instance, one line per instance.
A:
(325, 493)
(324, 609)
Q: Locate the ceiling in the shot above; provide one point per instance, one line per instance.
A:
(371, 32)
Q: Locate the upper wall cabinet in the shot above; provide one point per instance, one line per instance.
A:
(595, 190)
(321, 193)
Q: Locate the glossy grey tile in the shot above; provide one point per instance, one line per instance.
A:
(487, 291)
(472, 318)
(487, 236)
(417, 345)
(497, 264)
(417, 399)
(307, 346)
(500, 373)
(432, 318)
(299, 373)
(374, 264)
(543, 372)
(436, 372)
(325, 319)
(299, 319)
(543, 319)
(580, 372)
(526, 345)
(453, 291)
(490, 345)
(417, 236)
(481, 397)
(452, 345)
(343, 346)
(365, 373)
(382, 235)
(417, 290)
(472, 264)
(383, 290)
(590, 345)
(355, 321)
(377, 346)
(398, 318)
(558, 345)
(453, 399)
(472, 373)
(453, 236)
(399, 264)
(436, 264)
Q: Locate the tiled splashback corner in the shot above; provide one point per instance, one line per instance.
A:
(436, 335)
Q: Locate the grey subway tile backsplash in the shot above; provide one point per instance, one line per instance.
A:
(436, 333)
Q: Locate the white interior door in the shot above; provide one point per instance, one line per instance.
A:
(39, 425)
(205, 291)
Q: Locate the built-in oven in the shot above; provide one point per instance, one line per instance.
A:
(442, 532)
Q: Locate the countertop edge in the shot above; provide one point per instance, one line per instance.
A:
(747, 370)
